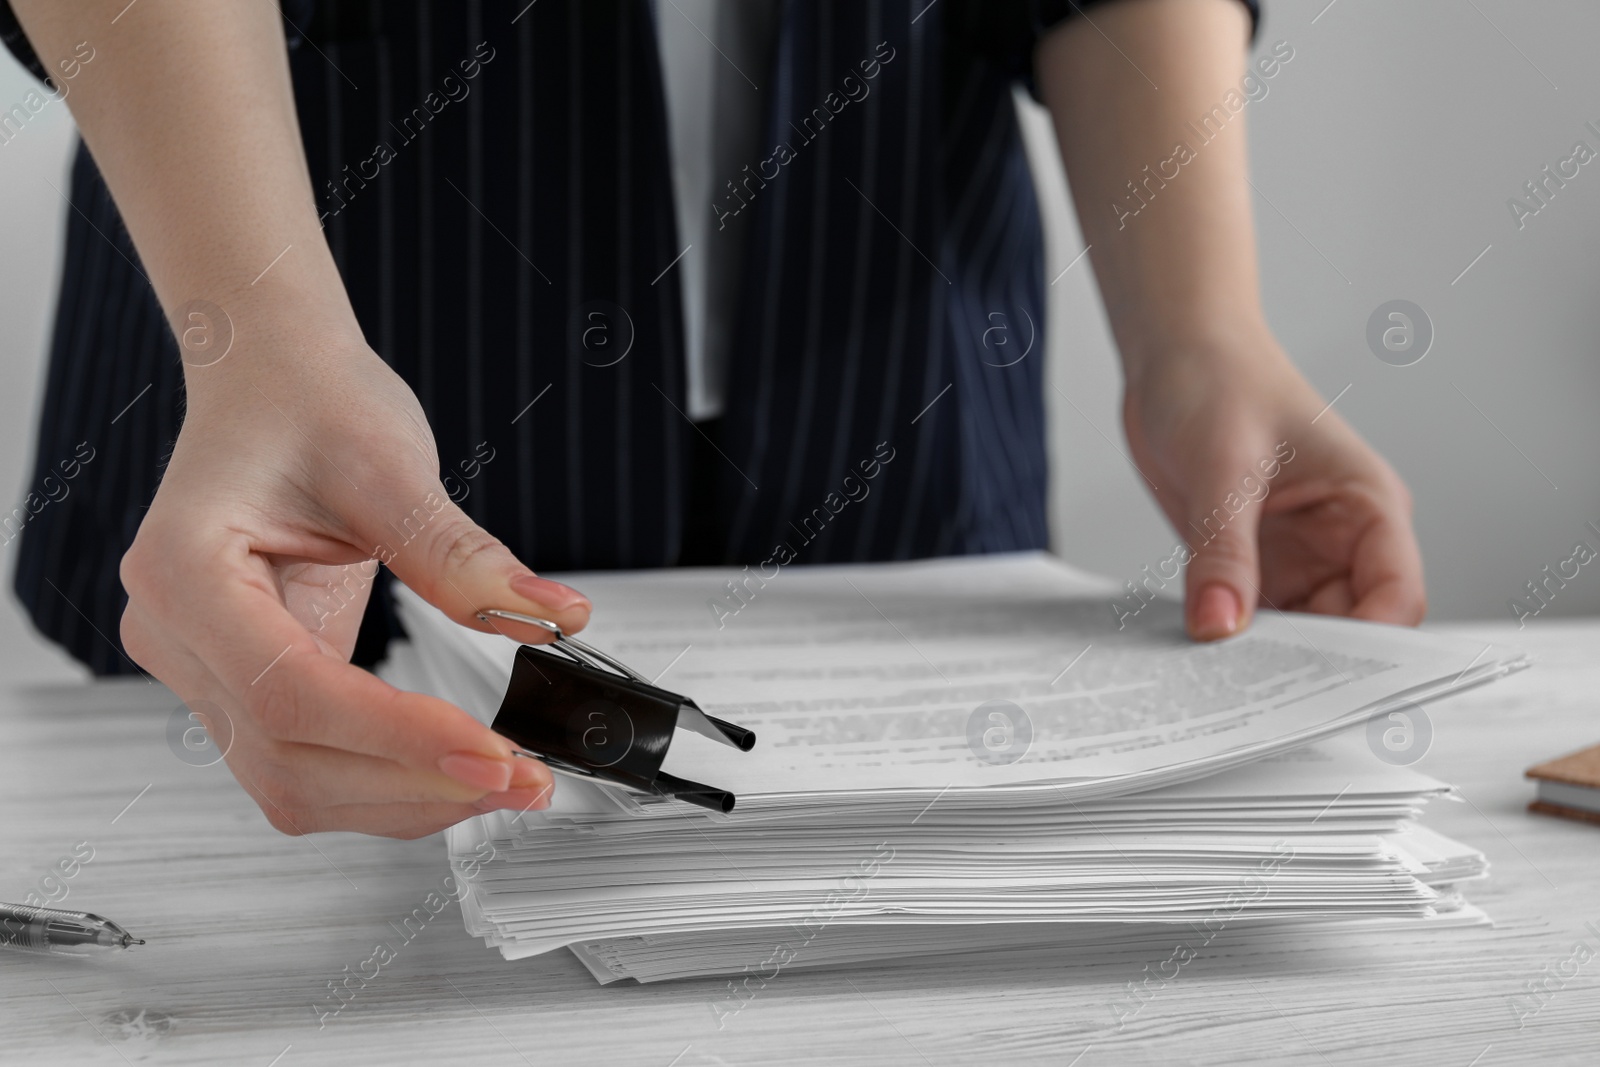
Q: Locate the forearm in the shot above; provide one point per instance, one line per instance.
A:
(189, 112)
(1174, 251)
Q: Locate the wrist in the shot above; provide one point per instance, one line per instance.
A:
(228, 335)
(1217, 347)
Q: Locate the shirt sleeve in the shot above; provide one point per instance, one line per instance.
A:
(295, 13)
(1007, 33)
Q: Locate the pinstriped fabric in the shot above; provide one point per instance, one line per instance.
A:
(518, 201)
(112, 386)
(933, 445)
(809, 363)
(425, 184)
(472, 322)
(572, 454)
(622, 394)
(992, 323)
(526, 386)
(872, 129)
(896, 291)
(917, 301)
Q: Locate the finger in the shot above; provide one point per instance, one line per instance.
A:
(1332, 597)
(405, 821)
(330, 601)
(292, 688)
(300, 777)
(294, 783)
(315, 698)
(1386, 576)
(462, 569)
(155, 650)
(1224, 573)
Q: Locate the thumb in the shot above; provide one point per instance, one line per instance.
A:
(462, 569)
(1224, 572)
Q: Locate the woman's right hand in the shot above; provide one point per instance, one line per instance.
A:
(249, 575)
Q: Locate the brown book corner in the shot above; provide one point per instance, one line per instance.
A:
(1575, 768)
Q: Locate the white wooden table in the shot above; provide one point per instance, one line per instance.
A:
(247, 928)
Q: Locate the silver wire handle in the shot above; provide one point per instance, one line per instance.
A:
(575, 649)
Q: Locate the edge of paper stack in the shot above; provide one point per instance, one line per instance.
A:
(1239, 787)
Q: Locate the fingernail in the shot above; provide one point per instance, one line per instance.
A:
(517, 800)
(553, 595)
(480, 772)
(527, 772)
(1216, 613)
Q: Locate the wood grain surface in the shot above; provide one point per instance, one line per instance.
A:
(247, 928)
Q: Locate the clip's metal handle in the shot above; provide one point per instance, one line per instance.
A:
(665, 785)
(569, 644)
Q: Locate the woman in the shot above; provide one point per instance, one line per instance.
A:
(382, 235)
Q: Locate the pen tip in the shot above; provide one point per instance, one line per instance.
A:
(136, 941)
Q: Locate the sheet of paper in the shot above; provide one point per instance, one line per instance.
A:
(876, 677)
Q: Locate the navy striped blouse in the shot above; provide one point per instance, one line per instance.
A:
(495, 185)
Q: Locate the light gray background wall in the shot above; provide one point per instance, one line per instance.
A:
(1387, 148)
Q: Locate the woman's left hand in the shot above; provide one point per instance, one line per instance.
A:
(1280, 502)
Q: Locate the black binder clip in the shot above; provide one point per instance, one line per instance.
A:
(584, 713)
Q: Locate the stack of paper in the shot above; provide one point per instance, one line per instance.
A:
(961, 754)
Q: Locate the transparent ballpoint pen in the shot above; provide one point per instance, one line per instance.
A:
(52, 930)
